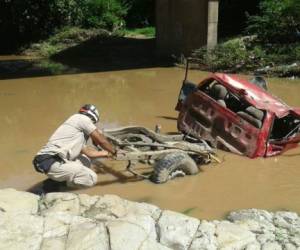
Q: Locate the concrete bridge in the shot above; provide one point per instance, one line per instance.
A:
(184, 25)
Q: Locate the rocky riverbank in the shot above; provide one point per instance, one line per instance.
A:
(78, 221)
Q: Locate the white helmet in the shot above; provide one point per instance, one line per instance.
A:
(91, 111)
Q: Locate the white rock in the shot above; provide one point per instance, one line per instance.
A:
(231, 236)
(254, 214)
(266, 237)
(146, 222)
(253, 246)
(282, 235)
(271, 246)
(108, 207)
(289, 246)
(56, 228)
(60, 202)
(205, 238)
(257, 221)
(125, 235)
(295, 240)
(153, 245)
(71, 221)
(286, 220)
(86, 202)
(15, 201)
(20, 231)
(87, 235)
(54, 243)
(177, 230)
(253, 226)
(144, 209)
(111, 207)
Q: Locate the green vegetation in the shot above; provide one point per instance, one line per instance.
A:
(279, 22)
(63, 39)
(23, 22)
(147, 32)
(271, 44)
(244, 54)
(53, 68)
(104, 14)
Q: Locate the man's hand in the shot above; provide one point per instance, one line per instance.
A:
(93, 153)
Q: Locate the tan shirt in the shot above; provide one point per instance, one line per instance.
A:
(70, 137)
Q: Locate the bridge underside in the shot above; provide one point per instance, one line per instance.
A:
(185, 25)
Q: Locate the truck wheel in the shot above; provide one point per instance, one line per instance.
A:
(173, 165)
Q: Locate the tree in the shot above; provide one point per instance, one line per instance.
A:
(278, 22)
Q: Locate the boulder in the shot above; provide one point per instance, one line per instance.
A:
(177, 230)
(231, 236)
(205, 237)
(85, 234)
(20, 231)
(271, 246)
(56, 228)
(60, 202)
(110, 207)
(18, 202)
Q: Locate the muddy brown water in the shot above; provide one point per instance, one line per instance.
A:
(32, 108)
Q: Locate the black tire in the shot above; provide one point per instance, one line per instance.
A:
(173, 165)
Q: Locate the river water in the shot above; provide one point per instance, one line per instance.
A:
(32, 108)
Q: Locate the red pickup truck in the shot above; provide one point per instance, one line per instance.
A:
(238, 116)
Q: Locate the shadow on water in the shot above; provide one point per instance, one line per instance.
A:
(94, 55)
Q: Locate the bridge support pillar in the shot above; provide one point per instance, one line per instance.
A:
(185, 25)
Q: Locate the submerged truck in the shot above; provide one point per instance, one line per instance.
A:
(169, 155)
(238, 116)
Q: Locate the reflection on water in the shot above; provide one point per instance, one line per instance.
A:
(32, 108)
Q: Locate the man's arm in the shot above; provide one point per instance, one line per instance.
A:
(100, 140)
(92, 153)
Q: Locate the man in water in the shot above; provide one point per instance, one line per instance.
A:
(61, 158)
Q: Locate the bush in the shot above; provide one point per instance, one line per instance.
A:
(232, 55)
(22, 22)
(108, 14)
(140, 13)
(279, 22)
(244, 54)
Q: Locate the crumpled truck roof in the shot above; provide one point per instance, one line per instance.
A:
(255, 95)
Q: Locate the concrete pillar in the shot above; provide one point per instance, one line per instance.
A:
(181, 26)
(212, 23)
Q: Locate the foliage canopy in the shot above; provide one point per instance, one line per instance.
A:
(278, 22)
(22, 21)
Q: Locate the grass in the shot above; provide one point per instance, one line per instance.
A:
(68, 37)
(148, 32)
(53, 67)
(63, 39)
